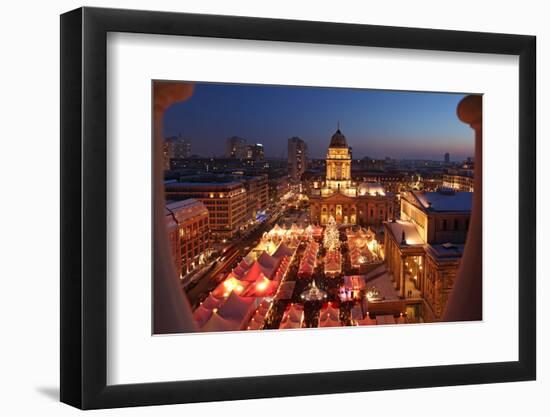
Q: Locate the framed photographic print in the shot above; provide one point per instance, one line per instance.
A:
(258, 208)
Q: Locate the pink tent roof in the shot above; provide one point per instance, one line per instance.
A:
(230, 285)
(385, 319)
(255, 325)
(283, 250)
(241, 268)
(236, 307)
(202, 315)
(329, 322)
(295, 314)
(216, 323)
(255, 271)
(289, 324)
(259, 315)
(238, 271)
(211, 302)
(267, 261)
(263, 287)
(330, 312)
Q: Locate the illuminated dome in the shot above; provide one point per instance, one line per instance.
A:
(370, 188)
(338, 140)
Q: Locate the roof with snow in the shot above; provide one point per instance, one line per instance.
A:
(445, 200)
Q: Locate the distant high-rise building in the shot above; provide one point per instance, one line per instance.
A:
(447, 158)
(236, 148)
(297, 157)
(167, 152)
(181, 147)
(255, 152)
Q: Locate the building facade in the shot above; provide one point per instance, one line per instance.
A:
(255, 152)
(189, 234)
(257, 190)
(297, 158)
(424, 248)
(236, 148)
(341, 197)
(459, 182)
(227, 203)
(176, 147)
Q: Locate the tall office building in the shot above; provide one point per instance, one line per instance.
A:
(255, 152)
(181, 147)
(297, 157)
(447, 157)
(236, 148)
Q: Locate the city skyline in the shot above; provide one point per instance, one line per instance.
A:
(377, 123)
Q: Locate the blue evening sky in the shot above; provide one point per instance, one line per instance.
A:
(376, 123)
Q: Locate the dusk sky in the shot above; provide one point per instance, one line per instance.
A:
(376, 123)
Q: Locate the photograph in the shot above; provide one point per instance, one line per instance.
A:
(302, 207)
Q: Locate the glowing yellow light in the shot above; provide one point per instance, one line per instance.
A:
(262, 285)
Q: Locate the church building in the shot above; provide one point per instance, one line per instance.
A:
(339, 196)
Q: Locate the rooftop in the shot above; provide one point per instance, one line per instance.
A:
(447, 250)
(338, 140)
(445, 200)
(204, 184)
(184, 209)
(411, 234)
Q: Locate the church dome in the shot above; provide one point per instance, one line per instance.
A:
(338, 140)
(371, 188)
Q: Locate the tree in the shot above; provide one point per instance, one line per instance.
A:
(331, 240)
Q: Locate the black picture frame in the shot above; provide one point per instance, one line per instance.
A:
(84, 207)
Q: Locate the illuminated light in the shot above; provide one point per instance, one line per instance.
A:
(262, 285)
(215, 310)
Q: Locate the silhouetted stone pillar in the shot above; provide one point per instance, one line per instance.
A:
(172, 312)
(465, 300)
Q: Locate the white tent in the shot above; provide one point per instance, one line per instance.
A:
(255, 271)
(329, 322)
(267, 261)
(329, 313)
(211, 302)
(202, 315)
(283, 250)
(237, 308)
(216, 323)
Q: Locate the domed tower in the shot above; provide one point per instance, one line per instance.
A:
(338, 163)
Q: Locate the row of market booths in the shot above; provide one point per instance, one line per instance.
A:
(329, 316)
(333, 263)
(311, 231)
(242, 300)
(293, 317)
(309, 260)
